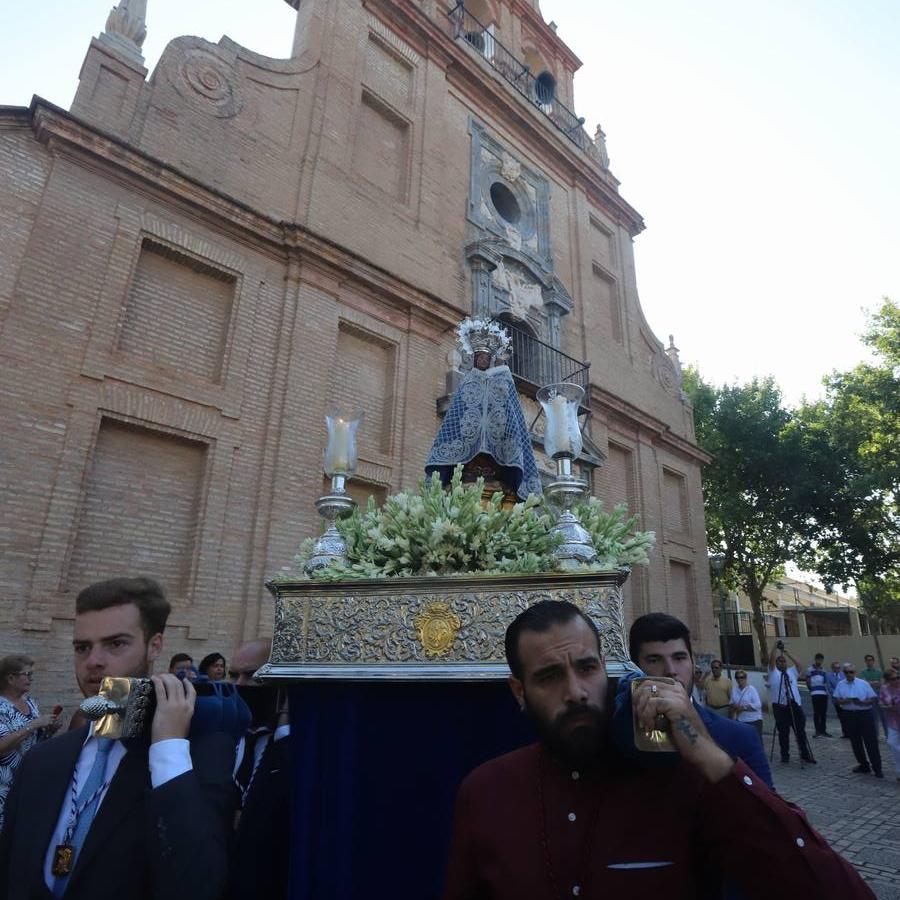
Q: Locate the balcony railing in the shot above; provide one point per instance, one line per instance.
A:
(540, 363)
(537, 91)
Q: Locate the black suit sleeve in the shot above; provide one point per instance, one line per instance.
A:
(191, 819)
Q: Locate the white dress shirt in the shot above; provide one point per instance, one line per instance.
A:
(856, 690)
(168, 760)
(779, 693)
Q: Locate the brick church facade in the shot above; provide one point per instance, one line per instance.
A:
(196, 264)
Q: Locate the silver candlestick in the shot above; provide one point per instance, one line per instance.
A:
(331, 547)
(576, 547)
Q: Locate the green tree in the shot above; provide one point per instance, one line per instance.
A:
(854, 434)
(755, 487)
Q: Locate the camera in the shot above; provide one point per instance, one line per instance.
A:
(779, 645)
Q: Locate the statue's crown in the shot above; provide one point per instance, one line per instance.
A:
(477, 334)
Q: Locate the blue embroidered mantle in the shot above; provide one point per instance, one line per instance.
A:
(485, 417)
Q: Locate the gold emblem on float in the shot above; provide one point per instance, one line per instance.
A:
(437, 628)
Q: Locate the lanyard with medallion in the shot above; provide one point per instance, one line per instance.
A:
(64, 852)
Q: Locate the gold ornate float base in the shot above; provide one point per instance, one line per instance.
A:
(418, 629)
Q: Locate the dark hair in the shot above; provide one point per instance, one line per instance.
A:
(208, 660)
(819, 656)
(180, 657)
(145, 593)
(542, 617)
(12, 665)
(656, 627)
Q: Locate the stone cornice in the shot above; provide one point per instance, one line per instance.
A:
(659, 432)
(62, 132)
(528, 14)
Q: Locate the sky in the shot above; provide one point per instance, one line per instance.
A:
(759, 141)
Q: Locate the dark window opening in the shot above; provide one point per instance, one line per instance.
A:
(545, 88)
(505, 202)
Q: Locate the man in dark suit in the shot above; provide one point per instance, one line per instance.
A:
(660, 644)
(259, 860)
(155, 821)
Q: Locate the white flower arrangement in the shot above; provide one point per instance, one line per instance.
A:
(482, 334)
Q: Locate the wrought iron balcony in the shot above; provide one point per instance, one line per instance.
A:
(539, 363)
(536, 90)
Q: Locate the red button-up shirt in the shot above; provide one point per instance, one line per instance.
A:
(620, 831)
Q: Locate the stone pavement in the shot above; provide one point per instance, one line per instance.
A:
(859, 815)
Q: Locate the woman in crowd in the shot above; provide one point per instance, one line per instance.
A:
(745, 703)
(889, 701)
(212, 666)
(21, 725)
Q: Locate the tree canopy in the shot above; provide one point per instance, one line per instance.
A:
(818, 485)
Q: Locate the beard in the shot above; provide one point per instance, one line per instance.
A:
(577, 737)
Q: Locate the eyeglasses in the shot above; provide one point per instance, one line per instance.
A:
(26, 674)
(740, 677)
(849, 671)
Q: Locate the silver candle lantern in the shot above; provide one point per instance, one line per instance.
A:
(562, 443)
(339, 465)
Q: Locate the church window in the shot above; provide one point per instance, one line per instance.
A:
(505, 203)
(545, 88)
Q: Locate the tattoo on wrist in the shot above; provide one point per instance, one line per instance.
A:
(688, 730)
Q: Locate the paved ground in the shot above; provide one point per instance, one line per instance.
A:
(858, 814)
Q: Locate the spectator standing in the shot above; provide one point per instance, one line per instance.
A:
(717, 690)
(857, 698)
(818, 692)
(889, 701)
(832, 679)
(873, 677)
(213, 666)
(21, 725)
(746, 703)
(696, 690)
(182, 662)
(786, 706)
(895, 664)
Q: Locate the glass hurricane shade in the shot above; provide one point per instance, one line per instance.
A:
(340, 452)
(560, 402)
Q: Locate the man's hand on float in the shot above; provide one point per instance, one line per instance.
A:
(175, 699)
(687, 730)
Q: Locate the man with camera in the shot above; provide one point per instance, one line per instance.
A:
(784, 693)
(90, 816)
(579, 815)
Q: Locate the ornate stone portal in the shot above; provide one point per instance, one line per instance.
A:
(421, 629)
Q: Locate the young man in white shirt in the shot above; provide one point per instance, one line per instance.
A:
(856, 700)
(786, 704)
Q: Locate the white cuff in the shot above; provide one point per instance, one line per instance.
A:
(169, 759)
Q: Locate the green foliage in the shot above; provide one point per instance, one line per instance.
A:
(451, 532)
(614, 534)
(853, 435)
(754, 488)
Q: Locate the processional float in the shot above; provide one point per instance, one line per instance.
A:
(389, 629)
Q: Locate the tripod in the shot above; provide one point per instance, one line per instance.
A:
(785, 697)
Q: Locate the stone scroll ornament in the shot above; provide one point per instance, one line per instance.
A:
(206, 80)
